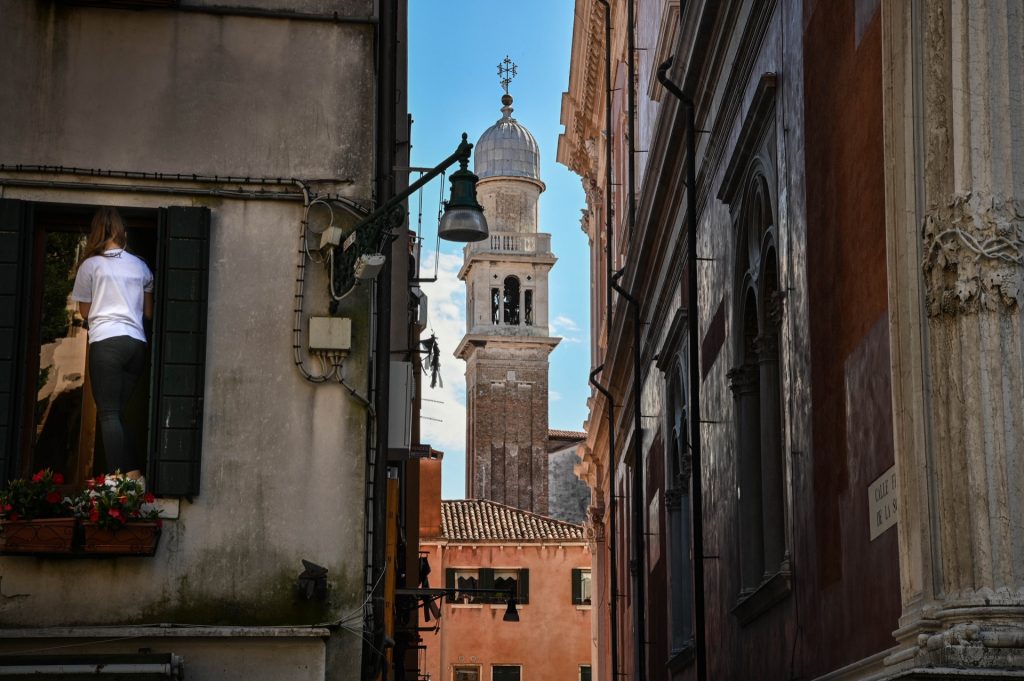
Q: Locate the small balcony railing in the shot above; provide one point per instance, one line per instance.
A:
(512, 242)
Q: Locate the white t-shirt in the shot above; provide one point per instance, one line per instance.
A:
(114, 284)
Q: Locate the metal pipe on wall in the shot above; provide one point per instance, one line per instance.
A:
(609, 244)
(613, 571)
(693, 379)
(636, 565)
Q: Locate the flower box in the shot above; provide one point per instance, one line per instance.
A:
(40, 536)
(132, 539)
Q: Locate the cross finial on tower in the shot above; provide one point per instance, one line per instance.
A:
(507, 70)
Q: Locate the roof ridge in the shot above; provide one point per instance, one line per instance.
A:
(517, 510)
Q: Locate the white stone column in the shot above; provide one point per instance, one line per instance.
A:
(954, 145)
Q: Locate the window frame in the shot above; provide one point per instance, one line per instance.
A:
(175, 412)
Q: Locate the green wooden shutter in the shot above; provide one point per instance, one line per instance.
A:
(15, 230)
(585, 672)
(179, 334)
(485, 580)
(449, 583)
(577, 586)
(524, 585)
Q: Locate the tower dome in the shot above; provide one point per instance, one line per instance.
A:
(507, 149)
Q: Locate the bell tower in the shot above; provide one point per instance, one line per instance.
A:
(507, 340)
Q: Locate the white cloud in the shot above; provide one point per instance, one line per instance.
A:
(561, 324)
(554, 395)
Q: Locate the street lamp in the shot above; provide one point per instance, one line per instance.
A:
(463, 218)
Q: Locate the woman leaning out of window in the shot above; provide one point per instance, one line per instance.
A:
(114, 292)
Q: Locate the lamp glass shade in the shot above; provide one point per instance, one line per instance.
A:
(462, 224)
(463, 218)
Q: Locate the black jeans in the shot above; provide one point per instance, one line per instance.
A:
(115, 365)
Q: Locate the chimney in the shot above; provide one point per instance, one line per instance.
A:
(430, 493)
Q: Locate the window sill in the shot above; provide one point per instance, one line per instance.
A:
(584, 607)
(681, 658)
(467, 606)
(771, 591)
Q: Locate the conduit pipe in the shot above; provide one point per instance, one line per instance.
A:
(636, 565)
(693, 379)
(613, 570)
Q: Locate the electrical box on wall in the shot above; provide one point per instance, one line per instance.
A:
(400, 406)
(330, 334)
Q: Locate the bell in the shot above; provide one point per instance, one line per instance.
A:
(463, 218)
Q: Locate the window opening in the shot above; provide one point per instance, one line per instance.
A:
(59, 421)
(528, 307)
(466, 673)
(507, 672)
(511, 301)
(466, 579)
(507, 580)
(495, 306)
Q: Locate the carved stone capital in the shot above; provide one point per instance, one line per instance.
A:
(673, 499)
(774, 308)
(974, 255)
(743, 379)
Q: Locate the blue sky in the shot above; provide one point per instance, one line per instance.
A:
(454, 50)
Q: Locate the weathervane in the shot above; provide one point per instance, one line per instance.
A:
(508, 70)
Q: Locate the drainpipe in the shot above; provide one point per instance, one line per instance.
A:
(631, 115)
(696, 482)
(608, 246)
(613, 571)
(637, 492)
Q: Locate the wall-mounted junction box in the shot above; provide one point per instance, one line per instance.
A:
(330, 334)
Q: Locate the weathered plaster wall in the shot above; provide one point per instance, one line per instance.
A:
(186, 92)
(283, 461)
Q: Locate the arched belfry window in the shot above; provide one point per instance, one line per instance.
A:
(511, 300)
(495, 306)
(756, 389)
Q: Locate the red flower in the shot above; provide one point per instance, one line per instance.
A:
(53, 498)
(123, 499)
(114, 513)
(149, 498)
(101, 479)
(38, 476)
(90, 483)
(94, 514)
(8, 507)
(58, 479)
(13, 516)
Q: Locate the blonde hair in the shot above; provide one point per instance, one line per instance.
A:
(107, 225)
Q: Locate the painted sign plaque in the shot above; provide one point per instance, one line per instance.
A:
(882, 495)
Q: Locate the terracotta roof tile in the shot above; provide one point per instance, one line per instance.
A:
(482, 520)
(567, 434)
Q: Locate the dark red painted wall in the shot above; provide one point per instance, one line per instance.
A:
(847, 586)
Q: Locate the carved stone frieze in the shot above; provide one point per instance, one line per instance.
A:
(974, 255)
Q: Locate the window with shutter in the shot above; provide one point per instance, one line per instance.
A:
(47, 415)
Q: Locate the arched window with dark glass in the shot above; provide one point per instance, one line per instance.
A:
(756, 389)
(528, 306)
(511, 300)
(678, 509)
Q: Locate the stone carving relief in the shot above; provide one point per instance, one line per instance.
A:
(974, 255)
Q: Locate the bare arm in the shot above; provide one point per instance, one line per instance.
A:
(83, 309)
(147, 305)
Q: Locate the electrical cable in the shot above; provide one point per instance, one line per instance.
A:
(300, 281)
